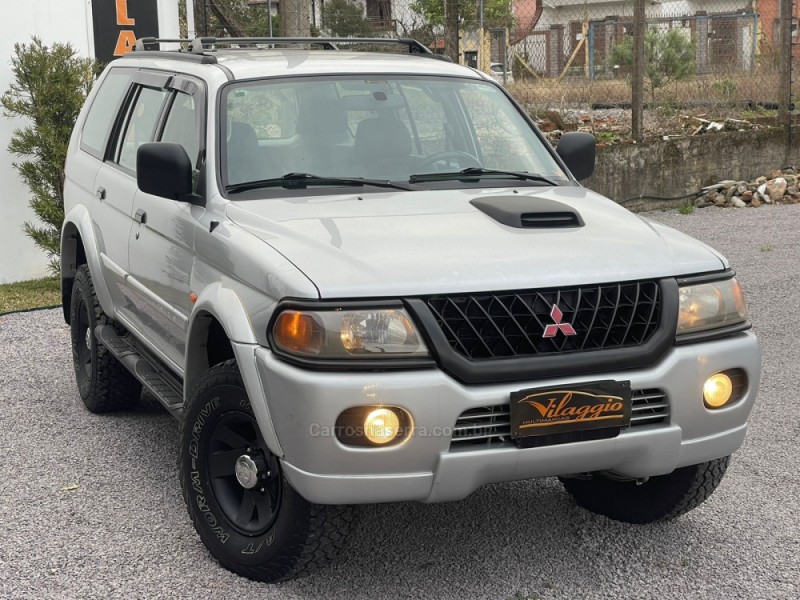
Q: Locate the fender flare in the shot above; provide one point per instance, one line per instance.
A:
(79, 221)
(223, 304)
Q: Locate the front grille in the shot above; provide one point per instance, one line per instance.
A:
(489, 426)
(515, 324)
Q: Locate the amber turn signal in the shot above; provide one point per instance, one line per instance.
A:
(298, 332)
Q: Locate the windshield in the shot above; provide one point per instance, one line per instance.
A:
(379, 128)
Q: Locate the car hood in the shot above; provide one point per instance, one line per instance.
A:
(436, 241)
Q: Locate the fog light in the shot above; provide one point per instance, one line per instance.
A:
(717, 390)
(381, 426)
(374, 426)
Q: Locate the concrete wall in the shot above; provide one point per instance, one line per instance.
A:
(674, 167)
(53, 21)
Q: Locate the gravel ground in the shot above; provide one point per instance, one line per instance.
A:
(124, 532)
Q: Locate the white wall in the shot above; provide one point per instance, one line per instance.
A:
(53, 21)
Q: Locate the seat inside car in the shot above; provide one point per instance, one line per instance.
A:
(244, 155)
(322, 127)
(382, 148)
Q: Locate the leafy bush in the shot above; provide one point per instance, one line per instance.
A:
(49, 88)
(668, 56)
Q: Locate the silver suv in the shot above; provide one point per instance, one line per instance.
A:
(360, 277)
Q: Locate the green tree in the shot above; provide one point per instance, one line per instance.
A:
(48, 90)
(496, 13)
(345, 18)
(668, 56)
(247, 20)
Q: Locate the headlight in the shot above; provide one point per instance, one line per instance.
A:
(712, 305)
(342, 334)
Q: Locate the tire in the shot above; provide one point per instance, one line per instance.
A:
(103, 382)
(660, 498)
(268, 533)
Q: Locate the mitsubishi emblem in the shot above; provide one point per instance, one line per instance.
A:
(552, 329)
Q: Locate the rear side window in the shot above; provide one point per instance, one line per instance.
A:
(103, 112)
(183, 125)
(140, 125)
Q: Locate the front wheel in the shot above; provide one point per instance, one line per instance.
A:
(246, 513)
(660, 498)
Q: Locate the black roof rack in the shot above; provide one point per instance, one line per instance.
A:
(201, 47)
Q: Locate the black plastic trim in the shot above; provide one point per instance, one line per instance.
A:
(570, 363)
(347, 364)
(528, 212)
(712, 334)
(706, 277)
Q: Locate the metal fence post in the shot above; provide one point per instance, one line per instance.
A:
(785, 63)
(637, 74)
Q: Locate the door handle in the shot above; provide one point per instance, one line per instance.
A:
(141, 216)
(101, 193)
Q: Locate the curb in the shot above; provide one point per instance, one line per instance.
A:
(27, 310)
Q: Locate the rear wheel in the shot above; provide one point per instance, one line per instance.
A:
(660, 498)
(103, 382)
(246, 513)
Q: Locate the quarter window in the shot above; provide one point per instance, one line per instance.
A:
(102, 112)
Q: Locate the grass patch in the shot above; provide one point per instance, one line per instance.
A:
(30, 294)
(686, 208)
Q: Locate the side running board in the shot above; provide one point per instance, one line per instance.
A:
(156, 379)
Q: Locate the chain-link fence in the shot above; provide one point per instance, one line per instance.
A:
(572, 62)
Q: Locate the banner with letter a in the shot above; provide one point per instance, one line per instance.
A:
(118, 23)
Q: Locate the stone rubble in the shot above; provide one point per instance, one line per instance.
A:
(780, 187)
(613, 126)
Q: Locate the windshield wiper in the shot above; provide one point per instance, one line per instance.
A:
(478, 173)
(303, 180)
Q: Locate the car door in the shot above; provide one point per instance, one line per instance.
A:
(161, 242)
(96, 182)
(116, 186)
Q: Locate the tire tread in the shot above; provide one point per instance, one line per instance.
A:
(661, 498)
(320, 534)
(113, 387)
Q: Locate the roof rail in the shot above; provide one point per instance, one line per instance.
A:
(143, 43)
(201, 45)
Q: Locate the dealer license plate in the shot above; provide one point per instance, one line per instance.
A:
(563, 409)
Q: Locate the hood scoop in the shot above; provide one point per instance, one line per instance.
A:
(525, 212)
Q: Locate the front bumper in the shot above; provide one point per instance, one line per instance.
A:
(303, 407)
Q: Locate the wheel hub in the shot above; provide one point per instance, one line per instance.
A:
(247, 472)
(245, 478)
(88, 339)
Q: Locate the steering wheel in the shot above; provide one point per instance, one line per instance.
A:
(463, 160)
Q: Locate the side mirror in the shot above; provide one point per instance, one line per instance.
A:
(577, 150)
(164, 169)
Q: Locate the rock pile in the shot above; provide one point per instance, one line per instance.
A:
(780, 187)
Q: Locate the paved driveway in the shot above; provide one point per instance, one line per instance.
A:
(124, 532)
